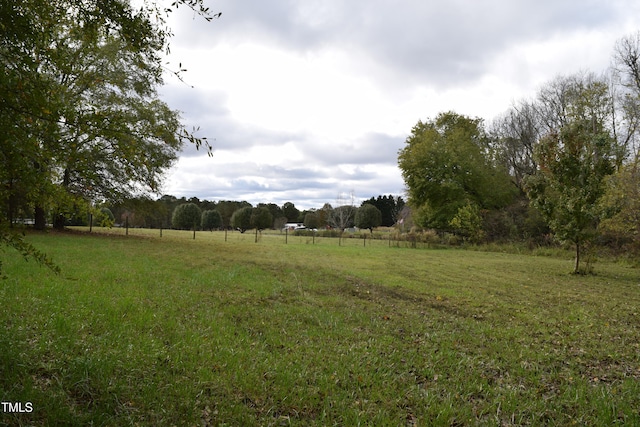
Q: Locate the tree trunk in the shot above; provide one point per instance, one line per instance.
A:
(577, 267)
(39, 217)
(58, 222)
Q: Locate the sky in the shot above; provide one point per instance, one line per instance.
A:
(309, 101)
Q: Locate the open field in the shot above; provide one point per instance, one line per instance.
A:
(143, 330)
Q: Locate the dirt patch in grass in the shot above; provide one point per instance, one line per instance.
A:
(393, 297)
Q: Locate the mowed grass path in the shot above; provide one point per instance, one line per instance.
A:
(174, 331)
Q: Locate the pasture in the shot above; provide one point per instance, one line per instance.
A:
(143, 330)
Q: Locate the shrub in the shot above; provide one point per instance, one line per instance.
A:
(104, 218)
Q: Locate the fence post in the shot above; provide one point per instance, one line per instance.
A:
(286, 235)
(90, 222)
(126, 225)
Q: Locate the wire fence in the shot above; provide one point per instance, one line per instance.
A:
(362, 238)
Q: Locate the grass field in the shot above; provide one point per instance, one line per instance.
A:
(143, 330)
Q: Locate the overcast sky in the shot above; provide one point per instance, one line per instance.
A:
(304, 100)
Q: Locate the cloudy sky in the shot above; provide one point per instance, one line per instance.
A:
(308, 100)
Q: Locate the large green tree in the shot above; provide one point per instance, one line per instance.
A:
(80, 116)
(447, 165)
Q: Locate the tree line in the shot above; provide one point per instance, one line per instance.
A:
(182, 213)
(560, 166)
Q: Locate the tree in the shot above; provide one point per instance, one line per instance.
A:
(291, 212)
(274, 210)
(448, 163)
(186, 216)
(211, 219)
(573, 165)
(324, 215)
(389, 207)
(368, 216)
(227, 208)
(312, 220)
(104, 217)
(515, 135)
(626, 67)
(468, 223)
(110, 135)
(80, 76)
(621, 202)
(261, 218)
(241, 219)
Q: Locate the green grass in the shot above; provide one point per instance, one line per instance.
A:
(143, 330)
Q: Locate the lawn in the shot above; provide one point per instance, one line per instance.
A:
(164, 331)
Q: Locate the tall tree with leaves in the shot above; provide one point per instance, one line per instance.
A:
(79, 103)
(447, 164)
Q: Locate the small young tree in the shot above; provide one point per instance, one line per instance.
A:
(368, 216)
(186, 216)
(211, 219)
(468, 223)
(104, 217)
(570, 182)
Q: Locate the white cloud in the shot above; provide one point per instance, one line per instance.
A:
(304, 100)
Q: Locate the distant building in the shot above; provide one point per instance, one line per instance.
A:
(293, 226)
